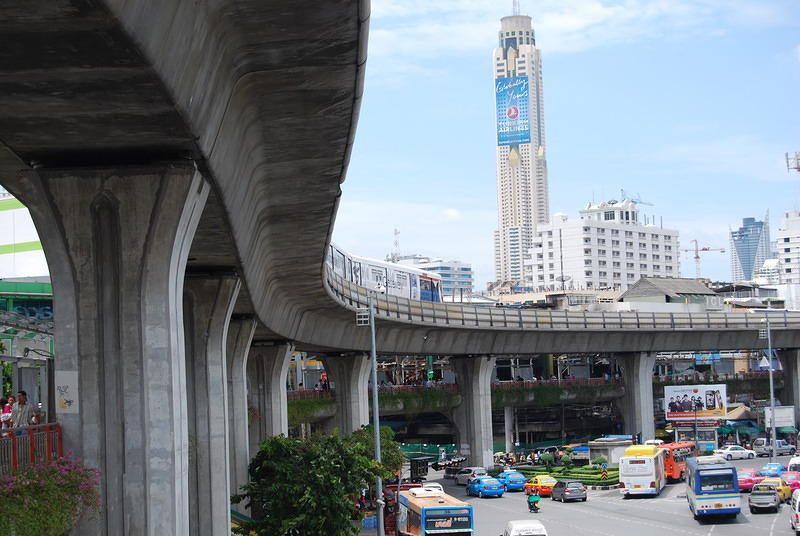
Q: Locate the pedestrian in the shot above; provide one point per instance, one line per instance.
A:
(23, 413)
(5, 411)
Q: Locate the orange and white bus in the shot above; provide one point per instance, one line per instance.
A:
(675, 459)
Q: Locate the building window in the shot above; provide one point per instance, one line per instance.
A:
(629, 265)
(655, 246)
(601, 263)
(615, 232)
(631, 276)
(656, 257)
(642, 235)
(788, 270)
(601, 241)
(642, 256)
(786, 250)
(628, 244)
(667, 248)
(668, 268)
(656, 267)
(588, 273)
(616, 265)
(654, 236)
(587, 240)
(601, 252)
(615, 253)
(643, 267)
(602, 274)
(601, 231)
(786, 239)
(587, 251)
(628, 254)
(787, 260)
(617, 275)
(608, 215)
(667, 257)
(587, 262)
(642, 246)
(587, 229)
(615, 242)
(628, 233)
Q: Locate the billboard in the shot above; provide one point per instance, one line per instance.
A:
(512, 97)
(689, 402)
(784, 416)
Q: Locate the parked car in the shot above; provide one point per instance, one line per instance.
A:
(780, 485)
(792, 478)
(762, 447)
(734, 452)
(568, 490)
(764, 497)
(485, 487)
(543, 483)
(772, 469)
(468, 473)
(512, 480)
(748, 478)
(794, 464)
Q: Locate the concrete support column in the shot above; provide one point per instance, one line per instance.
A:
(508, 427)
(473, 417)
(637, 405)
(790, 363)
(208, 304)
(116, 242)
(270, 367)
(349, 376)
(240, 336)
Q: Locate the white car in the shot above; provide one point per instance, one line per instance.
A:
(468, 473)
(734, 452)
(524, 527)
(433, 485)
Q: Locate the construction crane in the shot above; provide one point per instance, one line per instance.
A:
(793, 162)
(697, 250)
(635, 198)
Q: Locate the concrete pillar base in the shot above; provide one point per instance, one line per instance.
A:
(116, 241)
(637, 405)
(473, 417)
(208, 304)
(508, 427)
(349, 376)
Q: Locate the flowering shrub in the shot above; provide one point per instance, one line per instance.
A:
(47, 499)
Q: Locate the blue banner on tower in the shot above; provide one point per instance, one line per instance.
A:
(513, 120)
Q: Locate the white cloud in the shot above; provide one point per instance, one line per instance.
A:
(419, 31)
(738, 156)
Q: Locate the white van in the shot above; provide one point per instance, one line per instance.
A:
(794, 512)
(794, 464)
(525, 527)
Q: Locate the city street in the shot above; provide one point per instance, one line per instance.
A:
(606, 513)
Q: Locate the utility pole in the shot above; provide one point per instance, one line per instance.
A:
(697, 250)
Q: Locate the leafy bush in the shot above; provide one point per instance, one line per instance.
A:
(48, 499)
(548, 459)
(566, 461)
(600, 460)
(307, 488)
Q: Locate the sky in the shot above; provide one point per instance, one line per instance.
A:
(689, 104)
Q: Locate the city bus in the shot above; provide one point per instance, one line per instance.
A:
(641, 471)
(675, 456)
(427, 512)
(712, 487)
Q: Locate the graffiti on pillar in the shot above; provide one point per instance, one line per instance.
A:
(66, 392)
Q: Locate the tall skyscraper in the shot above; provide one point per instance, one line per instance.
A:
(522, 192)
(750, 247)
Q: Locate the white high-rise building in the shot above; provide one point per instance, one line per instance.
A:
(787, 245)
(522, 191)
(750, 247)
(607, 248)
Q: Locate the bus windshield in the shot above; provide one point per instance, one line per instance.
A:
(716, 482)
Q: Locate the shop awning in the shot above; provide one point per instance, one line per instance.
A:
(786, 429)
(725, 430)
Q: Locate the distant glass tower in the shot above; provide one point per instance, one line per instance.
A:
(750, 247)
(522, 191)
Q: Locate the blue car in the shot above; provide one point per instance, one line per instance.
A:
(485, 487)
(772, 469)
(512, 480)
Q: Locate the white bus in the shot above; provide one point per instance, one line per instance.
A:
(642, 471)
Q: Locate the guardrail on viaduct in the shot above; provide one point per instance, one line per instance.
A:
(405, 310)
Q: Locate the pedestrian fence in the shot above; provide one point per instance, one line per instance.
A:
(21, 447)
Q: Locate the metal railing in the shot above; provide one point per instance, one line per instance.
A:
(310, 394)
(20, 447)
(409, 311)
(713, 378)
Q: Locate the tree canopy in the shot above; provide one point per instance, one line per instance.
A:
(309, 487)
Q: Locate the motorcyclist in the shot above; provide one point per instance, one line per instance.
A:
(533, 501)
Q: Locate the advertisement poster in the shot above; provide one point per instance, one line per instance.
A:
(689, 402)
(513, 118)
(784, 416)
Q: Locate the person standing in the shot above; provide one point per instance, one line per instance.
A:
(22, 413)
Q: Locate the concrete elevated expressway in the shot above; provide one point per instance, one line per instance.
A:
(182, 162)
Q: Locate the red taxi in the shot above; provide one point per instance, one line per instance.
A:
(748, 478)
(543, 483)
(792, 478)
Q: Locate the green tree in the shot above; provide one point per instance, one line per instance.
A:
(547, 459)
(392, 456)
(566, 461)
(600, 460)
(307, 488)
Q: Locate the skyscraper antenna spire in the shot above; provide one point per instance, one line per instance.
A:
(516, 7)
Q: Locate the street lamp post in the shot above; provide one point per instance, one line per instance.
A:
(368, 318)
(773, 432)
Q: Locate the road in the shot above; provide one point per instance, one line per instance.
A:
(605, 513)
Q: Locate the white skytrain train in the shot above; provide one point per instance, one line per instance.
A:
(394, 279)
